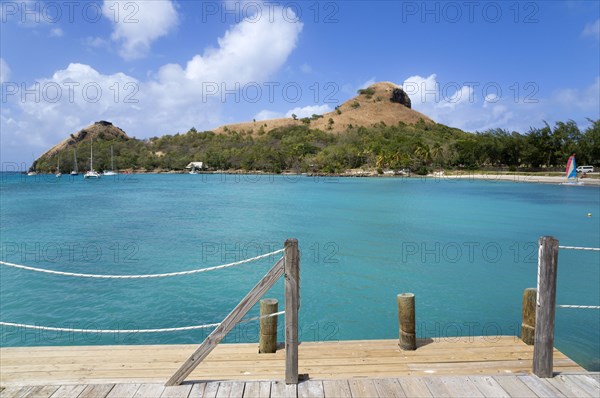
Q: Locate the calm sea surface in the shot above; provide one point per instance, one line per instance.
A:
(467, 249)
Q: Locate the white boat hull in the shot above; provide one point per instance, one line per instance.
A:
(91, 174)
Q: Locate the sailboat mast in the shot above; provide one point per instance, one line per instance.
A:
(92, 155)
(112, 160)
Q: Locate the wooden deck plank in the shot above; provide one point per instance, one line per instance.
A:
(571, 385)
(515, 387)
(68, 391)
(123, 390)
(181, 391)
(587, 383)
(237, 389)
(257, 389)
(488, 386)
(336, 389)
(281, 390)
(461, 387)
(354, 358)
(568, 388)
(414, 387)
(210, 391)
(96, 391)
(149, 391)
(41, 392)
(389, 388)
(540, 387)
(224, 390)
(15, 392)
(310, 389)
(437, 387)
(197, 390)
(362, 388)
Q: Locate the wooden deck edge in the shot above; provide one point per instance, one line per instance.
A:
(414, 366)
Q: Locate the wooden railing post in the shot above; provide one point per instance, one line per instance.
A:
(545, 307)
(228, 323)
(268, 327)
(528, 318)
(406, 320)
(292, 301)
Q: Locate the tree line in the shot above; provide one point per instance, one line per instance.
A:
(421, 147)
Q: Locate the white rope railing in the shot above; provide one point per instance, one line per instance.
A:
(148, 276)
(163, 330)
(587, 307)
(595, 249)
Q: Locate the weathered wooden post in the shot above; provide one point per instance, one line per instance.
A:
(545, 307)
(292, 301)
(528, 321)
(406, 320)
(268, 326)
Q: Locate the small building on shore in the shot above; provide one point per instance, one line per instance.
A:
(196, 166)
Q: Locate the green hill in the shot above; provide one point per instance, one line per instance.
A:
(420, 147)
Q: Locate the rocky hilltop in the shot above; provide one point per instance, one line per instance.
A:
(74, 151)
(381, 102)
(101, 130)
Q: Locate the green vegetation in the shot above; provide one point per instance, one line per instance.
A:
(420, 147)
(367, 92)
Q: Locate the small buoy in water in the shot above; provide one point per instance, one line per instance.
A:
(589, 214)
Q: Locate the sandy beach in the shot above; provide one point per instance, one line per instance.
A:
(514, 178)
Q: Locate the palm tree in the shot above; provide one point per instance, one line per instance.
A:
(380, 161)
(423, 153)
(436, 152)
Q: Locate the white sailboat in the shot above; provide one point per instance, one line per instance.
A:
(58, 173)
(92, 173)
(111, 172)
(74, 172)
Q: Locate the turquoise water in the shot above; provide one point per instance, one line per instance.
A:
(467, 249)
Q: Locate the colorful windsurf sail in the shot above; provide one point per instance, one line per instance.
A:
(571, 172)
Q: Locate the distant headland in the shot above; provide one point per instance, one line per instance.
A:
(374, 133)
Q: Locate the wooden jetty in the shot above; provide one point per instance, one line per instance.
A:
(469, 366)
(462, 366)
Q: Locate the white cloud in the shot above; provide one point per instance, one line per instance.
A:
(300, 112)
(266, 114)
(171, 100)
(56, 32)
(592, 29)
(4, 71)
(587, 99)
(137, 24)
(70, 99)
(96, 42)
(249, 51)
(308, 111)
(480, 106)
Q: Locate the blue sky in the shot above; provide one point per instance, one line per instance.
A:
(162, 67)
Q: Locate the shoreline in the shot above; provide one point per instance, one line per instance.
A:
(525, 177)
